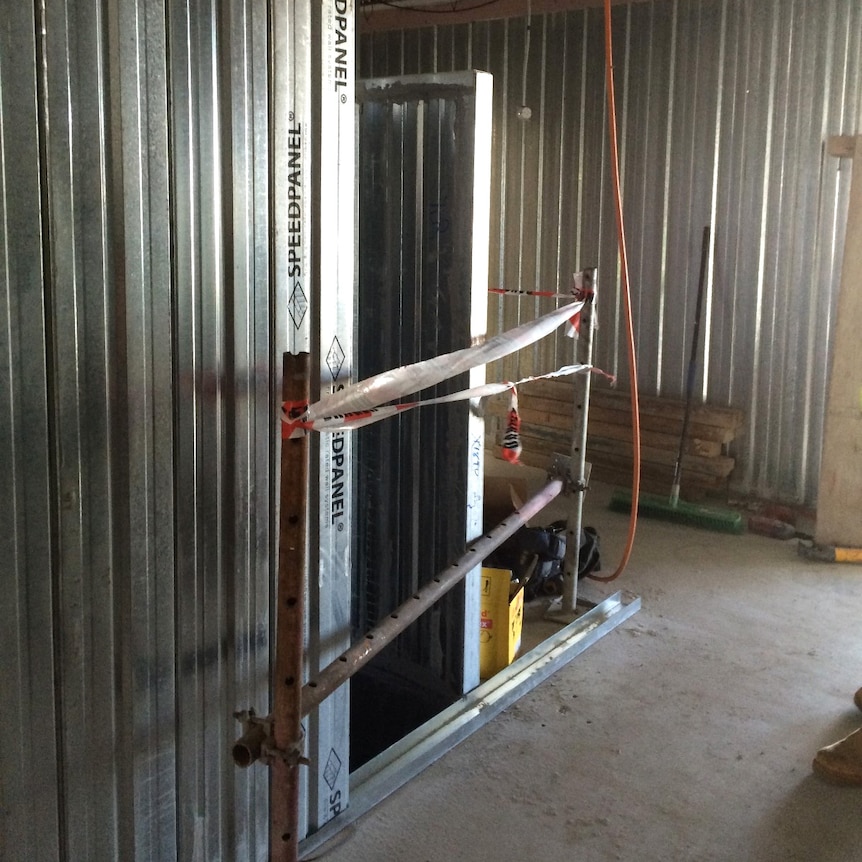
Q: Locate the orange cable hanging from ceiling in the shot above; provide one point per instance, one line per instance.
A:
(627, 300)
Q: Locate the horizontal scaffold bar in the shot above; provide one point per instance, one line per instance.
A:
(348, 663)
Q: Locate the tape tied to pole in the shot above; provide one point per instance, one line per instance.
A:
(584, 291)
(512, 436)
(362, 403)
(298, 426)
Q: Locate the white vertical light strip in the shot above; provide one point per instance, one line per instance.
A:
(755, 396)
(643, 258)
(599, 215)
(522, 167)
(777, 336)
(842, 103)
(582, 147)
(622, 136)
(713, 204)
(483, 126)
(504, 186)
(827, 128)
(562, 176)
(668, 147)
(804, 422)
(856, 74)
(825, 253)
(539, 268)
(561, 146)
(330, 594)
(735, 210)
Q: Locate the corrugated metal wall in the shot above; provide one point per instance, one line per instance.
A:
(136, 384)
(723, 110)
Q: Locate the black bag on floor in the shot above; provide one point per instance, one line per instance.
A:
(535, 557)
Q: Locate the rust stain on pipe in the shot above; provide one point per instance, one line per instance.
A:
(287, 667)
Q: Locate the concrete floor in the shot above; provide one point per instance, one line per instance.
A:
(685, 735)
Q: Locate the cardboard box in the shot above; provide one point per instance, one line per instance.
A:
(501, 622)
(502, 495)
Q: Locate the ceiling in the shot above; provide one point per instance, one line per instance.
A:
(379, 15)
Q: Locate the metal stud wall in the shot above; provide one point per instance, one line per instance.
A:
(136, 427)
(723, 110)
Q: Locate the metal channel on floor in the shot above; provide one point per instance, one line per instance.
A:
(393, 768)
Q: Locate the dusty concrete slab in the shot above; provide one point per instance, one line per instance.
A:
(686, 735)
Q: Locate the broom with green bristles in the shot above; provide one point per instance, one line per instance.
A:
(672, 509)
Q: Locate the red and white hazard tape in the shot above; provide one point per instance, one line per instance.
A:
(512, 436)
(296, 419)
(366, 396)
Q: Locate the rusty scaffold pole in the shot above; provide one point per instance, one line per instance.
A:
(289, 617)
(353, 659)
(255, 743)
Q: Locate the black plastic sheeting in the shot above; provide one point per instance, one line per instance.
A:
(415, 237)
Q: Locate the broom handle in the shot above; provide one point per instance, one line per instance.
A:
(692, 367)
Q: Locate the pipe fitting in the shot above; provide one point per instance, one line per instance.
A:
(250, 746)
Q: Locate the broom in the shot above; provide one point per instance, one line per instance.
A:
(654, 506)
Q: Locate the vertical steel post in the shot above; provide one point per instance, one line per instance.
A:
(333, 124)
(290, 592)
(574, 523)
(292, 156)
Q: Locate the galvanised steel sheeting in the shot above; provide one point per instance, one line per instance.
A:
(723, 109)
(292, 145)
(30, 768)
(137, 428)
(333, 50)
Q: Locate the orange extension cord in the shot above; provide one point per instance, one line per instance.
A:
(627, 302)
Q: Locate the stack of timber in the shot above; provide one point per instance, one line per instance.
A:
(547, 417)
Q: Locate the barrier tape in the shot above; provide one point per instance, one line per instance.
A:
(296, 419)
(512, 436)
(550, 294)
(582, 289)
(394, 384)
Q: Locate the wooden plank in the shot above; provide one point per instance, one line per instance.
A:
(602, 449)
(839, 498)
(535, 412)
(664, 425)
(610, 451)
(562, 435)
(706, 414)
(841, 146)
(698, 442)
(689, 491)
(655, 479)
(722, 466)
(616, 399)
(543, 417)
(549, 405)
(657, 440)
